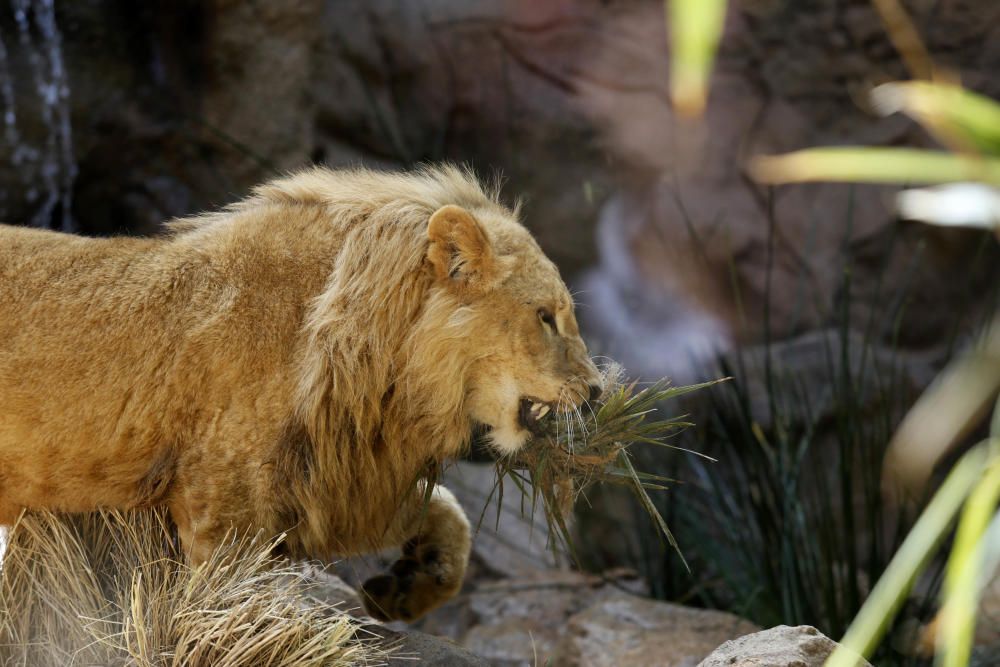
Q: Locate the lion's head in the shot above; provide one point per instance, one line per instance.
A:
(530, 363)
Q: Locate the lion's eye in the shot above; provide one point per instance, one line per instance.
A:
(547, 318)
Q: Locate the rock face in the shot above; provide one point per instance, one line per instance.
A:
(162, 111)
(783, 646)
(405, 647)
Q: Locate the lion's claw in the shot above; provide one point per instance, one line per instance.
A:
(419, 581)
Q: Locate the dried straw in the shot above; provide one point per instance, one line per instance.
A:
(111, 589)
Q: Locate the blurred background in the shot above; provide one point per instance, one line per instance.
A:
(830, 312)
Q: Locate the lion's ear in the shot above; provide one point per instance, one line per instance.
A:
(460, 251)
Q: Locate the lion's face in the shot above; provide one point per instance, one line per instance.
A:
(530, 363)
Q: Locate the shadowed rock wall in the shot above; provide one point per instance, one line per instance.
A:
(173, 107)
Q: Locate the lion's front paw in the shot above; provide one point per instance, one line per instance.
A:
(423, 578)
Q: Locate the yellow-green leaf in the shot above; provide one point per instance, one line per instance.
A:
(695, 28)
(958, 118)
(874, 165)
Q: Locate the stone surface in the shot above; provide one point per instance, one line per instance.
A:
(782, 646)
(333, 590)
(556, 617)
(822, 360)
(573, 619)
(404, 646)
(415, 648)
(628, 631)
(512, 621)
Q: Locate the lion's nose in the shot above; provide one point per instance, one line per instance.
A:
(595, 391)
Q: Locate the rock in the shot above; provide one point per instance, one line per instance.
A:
(570, 618)
(624, 630)
(416, 648)
(513, 622)
(782, 646)
(806, 361)
(333, 590)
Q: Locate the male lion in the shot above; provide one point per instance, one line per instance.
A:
(291, 363)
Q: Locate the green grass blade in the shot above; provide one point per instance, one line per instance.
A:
(654, 513)
(964, 574)
(885, 599)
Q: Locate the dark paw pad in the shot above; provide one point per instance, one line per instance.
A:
(420, 580)
(380, 586)
(405, 567)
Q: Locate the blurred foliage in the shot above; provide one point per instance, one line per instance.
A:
(966, 123)
(695, 27)
(974, 481)
(968, 126)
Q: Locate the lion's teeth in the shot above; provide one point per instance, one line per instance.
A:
(544, 411)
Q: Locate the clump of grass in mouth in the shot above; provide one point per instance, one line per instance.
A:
(591, 445)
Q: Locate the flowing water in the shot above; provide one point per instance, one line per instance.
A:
(46, 162)
(652, 330)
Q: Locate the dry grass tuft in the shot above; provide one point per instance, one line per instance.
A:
(111, 589)
(591, 445)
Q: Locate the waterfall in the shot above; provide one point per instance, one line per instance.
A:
(51, 162)
(645, 325)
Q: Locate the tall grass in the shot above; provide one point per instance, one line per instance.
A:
(112, 589)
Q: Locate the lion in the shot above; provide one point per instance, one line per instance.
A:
(293, 363)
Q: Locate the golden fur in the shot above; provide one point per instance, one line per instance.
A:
(290, 363)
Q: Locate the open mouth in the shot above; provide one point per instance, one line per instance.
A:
(531, 414)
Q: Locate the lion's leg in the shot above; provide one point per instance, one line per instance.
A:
(436, 542)
(9, 513)
(197, 542)
(206, 516)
